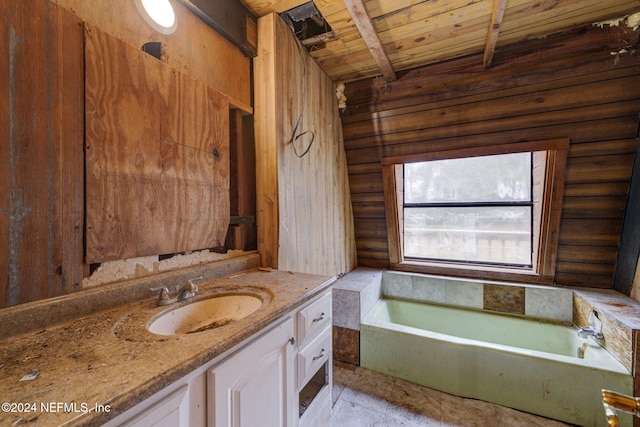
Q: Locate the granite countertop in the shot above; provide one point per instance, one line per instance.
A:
(109, 358)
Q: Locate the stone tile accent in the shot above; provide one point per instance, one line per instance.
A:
(505, 299)
(346, 345)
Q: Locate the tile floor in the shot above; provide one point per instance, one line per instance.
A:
(364, 398)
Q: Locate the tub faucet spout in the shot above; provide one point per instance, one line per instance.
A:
(593, 330)
(589, 331)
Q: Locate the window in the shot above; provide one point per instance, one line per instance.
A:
(474, 209)
(490, 212)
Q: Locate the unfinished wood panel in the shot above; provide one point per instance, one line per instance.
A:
(41, 123)
(194, 48)
(417, 32)
(494, 31)
(363, 22)
(242, 233)
(266, 129)
(157, 155)
(305, 221)
(566, 90)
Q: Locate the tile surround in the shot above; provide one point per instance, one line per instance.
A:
(541, 303)
(354, 294)
(506, 299)
(429, 289)
(550, 303)
(346, 308)
(464, 294)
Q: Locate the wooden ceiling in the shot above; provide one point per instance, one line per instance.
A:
(382, 37)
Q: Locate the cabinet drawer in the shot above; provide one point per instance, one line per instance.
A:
(313, 319)
(312, 356)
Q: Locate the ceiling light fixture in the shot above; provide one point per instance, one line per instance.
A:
(159, 14)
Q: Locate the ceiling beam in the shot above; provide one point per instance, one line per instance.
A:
(370, 36)
(494, 31)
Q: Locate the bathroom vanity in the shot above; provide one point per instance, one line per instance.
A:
(278, 377)
(272, 367)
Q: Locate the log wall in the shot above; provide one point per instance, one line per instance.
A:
(580, 86)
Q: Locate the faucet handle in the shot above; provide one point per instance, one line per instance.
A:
(162, 289)
(189, 290)
(594, 320)
(165, 297)
(191, 283)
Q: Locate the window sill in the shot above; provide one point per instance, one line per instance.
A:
(520, 275)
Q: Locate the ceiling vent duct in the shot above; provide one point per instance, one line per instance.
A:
(308, 24)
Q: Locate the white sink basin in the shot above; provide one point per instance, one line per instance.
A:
(204, 314)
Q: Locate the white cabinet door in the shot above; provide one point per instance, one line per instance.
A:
(256, 387)
(170, 411)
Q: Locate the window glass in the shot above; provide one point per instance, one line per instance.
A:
(473, 234)
(505, 177)
(476, 209)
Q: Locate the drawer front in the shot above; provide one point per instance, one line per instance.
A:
(313, 319)
(312, 356)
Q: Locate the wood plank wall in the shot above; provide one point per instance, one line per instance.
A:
(565, 86)
(303, 204)
(41, 126)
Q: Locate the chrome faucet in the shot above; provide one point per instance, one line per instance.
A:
(593, 330)
(186, 291)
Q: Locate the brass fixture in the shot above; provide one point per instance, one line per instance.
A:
(613, 401)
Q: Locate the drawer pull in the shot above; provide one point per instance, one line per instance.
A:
(292, 340)
(320, 356)
(317, 319)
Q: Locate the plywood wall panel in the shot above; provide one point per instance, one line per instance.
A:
(194, 49)
(305, 220)
(157, 155)
(565, 90)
